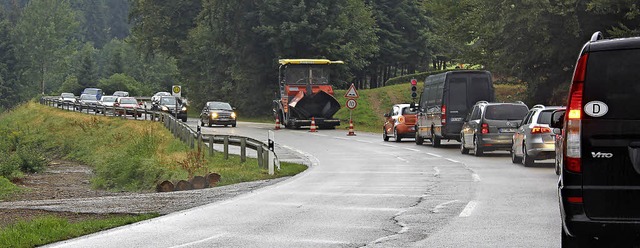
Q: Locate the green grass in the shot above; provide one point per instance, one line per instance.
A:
(125, 155)
(48, 229)
(8, 189)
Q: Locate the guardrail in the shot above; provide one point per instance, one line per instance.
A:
(266, 157)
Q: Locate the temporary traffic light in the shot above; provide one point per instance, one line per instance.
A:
(414, 94)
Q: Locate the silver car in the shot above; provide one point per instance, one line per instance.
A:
(534, 139)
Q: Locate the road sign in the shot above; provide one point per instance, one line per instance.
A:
(352, 104)
(351, 92)
(176, 90)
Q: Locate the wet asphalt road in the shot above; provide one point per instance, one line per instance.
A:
(362, 191)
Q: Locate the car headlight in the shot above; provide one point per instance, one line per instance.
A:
(214, 115)
(184, 108)
(233, 115)
(164, 108)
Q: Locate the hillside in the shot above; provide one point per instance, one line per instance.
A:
(373, 103)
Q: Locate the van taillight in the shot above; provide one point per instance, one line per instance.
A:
(574, 118)
(485, 128)
(540, 129)
(444, 115)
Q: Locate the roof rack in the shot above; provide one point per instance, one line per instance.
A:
(538, 106)
(596, 36)
(479, 102)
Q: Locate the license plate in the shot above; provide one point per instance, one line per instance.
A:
(507, 130)
(456, 119)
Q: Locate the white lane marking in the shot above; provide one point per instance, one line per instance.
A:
(413, 150)
(321, 135)
(435, 155)
(451, 160)
(468, 210)
(198, 241)
(341, 138)
(402, 159)
(437, 172)
(365, 141)
(441, 206)
(390, 146)
(476, 177)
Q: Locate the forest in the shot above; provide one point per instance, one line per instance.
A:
(228, 50)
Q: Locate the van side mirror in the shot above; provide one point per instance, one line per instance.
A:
(557, 119)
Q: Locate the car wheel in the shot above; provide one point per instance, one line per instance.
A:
(514, 159)
(419, 139)
(435, 140)
(395, 135)
(385, 137)
(201, 123)
(526, 159)
(463, 149)
(477, 150)
(233, 125)
(184, 119)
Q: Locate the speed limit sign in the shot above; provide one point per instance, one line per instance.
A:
(176, 90)
(352, 104)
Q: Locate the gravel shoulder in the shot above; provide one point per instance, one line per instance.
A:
(63, 189)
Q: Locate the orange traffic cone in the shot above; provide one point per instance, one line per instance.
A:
(313, 125)
(351, 133)
(277, 123)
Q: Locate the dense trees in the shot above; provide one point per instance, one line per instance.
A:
(228, 50)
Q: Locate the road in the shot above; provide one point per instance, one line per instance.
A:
(361, 191)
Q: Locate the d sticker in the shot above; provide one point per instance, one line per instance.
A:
(596, 109)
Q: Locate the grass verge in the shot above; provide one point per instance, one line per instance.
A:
(48, 229)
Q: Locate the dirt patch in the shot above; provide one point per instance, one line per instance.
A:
(60, 180)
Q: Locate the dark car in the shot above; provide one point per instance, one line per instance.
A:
(599, 185)
(400, 122)
(218, 113)
(490, 126)
(172, 105)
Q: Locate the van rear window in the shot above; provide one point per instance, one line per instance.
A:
(458, 94)
(479, 89)
(612, 78)
(505, 112)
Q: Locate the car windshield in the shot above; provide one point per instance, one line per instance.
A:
(128, 101)
(88, 97)
(168, 101)
(67, 95)
(220, 105)
(162, 94)
(91, 91)
(109, 99)
(505, 112)
(408, 111)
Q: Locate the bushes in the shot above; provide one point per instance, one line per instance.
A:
(24, 154)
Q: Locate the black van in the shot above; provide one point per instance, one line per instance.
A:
(599, 186)
(446, 100)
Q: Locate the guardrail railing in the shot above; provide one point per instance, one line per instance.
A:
(265, 155)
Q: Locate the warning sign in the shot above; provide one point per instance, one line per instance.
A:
(351, 92)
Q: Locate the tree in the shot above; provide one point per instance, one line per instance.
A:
(8, 87)
(160, 26)
(44, 38)
(86, 68)
(121, 82)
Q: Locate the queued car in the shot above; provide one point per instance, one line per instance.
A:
(130, 104)
(400, 122)
(87, 101)
(599, 184)
(155, 99)
(559, 133)
(97, 93)
(534, 139)
(67, 98)
(218, 113)
(121, 93)
(490, 126)
(172, 105)
(107, 101)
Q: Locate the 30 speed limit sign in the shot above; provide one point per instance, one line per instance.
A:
(352, 104)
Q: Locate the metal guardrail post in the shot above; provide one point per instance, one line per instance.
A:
(260, 152)
(226, 147)
(243, 149)
(211, 150)
(265, 158)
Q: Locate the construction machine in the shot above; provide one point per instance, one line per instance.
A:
(306, 93)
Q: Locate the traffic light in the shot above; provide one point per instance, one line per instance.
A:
(414, 94)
